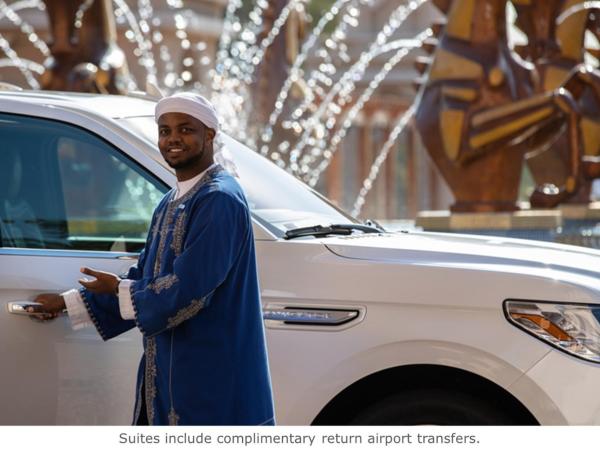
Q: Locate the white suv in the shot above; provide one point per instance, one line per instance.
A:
(363, 327)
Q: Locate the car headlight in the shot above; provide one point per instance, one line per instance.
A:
(571, 327)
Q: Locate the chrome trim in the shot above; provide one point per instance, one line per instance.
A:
(8, 251)
(311, 316)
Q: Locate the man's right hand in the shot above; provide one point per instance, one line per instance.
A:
(50, 305)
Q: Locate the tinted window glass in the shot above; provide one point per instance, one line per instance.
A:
(64, 188)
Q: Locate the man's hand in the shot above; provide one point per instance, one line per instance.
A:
(105, 282)
(50, 306)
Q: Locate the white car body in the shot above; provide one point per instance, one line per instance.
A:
(428, 315)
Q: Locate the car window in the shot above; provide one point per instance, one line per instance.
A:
(62, 187)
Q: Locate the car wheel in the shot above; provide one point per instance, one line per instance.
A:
(432, 407)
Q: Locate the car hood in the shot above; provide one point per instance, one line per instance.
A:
(447, 249)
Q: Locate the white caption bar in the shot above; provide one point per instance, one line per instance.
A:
(297, 438)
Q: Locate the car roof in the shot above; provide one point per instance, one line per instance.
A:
(114, 106)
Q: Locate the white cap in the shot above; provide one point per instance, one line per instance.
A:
(189, 103)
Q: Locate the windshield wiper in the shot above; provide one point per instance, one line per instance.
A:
(320, 230)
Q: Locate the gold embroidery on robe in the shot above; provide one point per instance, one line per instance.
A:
(178, 232)
(163, 283)
(186, 313)
(150, 378)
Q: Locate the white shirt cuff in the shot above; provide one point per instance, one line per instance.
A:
(125, 301)
(78, 314)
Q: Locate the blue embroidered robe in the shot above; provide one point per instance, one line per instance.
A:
(197, 304)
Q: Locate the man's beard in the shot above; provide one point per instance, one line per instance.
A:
(190, 162)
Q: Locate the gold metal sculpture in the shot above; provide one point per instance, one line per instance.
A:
(483, 109)
(85, 55)
(555, 49)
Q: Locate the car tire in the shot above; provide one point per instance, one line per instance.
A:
(432, 407)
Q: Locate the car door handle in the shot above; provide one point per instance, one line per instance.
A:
(20, 308)
(309, 316)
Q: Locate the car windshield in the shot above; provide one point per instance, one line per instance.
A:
(277, 199)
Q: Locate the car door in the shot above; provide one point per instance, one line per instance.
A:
(68, 199)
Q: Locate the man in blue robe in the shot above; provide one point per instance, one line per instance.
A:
(193, 294)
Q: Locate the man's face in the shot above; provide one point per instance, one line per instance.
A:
(183, 140)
